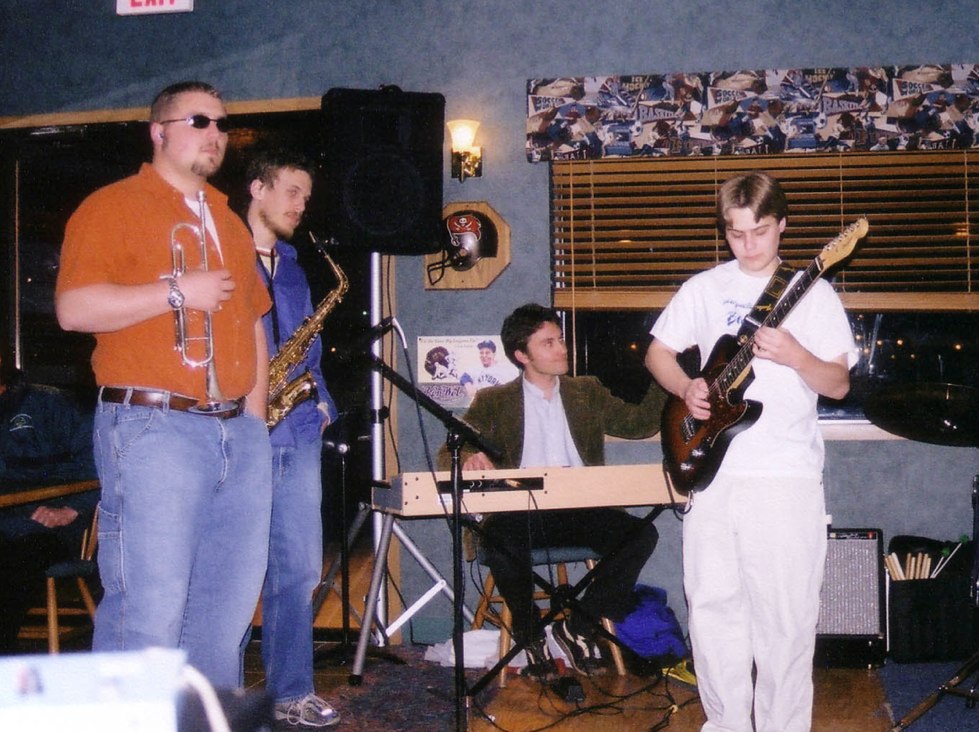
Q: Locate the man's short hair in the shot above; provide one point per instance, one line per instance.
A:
(759, 192)
(159, 109)
(489, 345)
(266, 164)
(521, 324)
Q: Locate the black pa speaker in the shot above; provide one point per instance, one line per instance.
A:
(851, 631)
(382, 163)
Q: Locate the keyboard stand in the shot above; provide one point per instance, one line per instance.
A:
(563, 598)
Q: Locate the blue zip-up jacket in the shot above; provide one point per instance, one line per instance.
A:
(45, 439)
(293, 304)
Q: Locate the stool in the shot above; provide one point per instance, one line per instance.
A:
(81, 570)
(492, 608)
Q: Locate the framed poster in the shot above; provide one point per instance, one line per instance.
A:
(453, 368)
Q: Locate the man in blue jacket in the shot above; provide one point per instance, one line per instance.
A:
(45, 439)
(280, 184)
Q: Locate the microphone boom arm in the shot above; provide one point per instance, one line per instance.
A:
(452, 423)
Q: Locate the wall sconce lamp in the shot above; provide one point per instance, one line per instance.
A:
(467, 160)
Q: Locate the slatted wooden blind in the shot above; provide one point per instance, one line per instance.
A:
(627, 233)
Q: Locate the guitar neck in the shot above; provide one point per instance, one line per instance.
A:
(736, 367)
(795, 293)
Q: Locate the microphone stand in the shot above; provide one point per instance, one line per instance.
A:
(459, 433)
(341, 653)
(341, 450)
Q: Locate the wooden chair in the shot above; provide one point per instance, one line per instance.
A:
(493, 610)
(81, 570)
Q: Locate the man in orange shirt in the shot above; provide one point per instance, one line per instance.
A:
(181, 447)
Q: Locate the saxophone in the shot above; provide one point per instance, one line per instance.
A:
(284, 395)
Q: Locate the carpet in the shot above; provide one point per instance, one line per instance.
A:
(420, 701)
(908, 684)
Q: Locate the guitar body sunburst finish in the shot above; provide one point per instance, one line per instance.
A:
(693, 449)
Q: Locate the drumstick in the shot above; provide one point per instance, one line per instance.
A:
(894, 566)
(945, 560)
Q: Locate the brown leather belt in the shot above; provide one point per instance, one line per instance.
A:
(161, 399)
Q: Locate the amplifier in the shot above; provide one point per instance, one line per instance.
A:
(851, 631)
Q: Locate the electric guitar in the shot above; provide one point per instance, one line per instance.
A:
(693, 449)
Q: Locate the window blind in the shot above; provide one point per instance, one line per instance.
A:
(627, 233)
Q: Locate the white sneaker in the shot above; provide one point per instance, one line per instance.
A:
(310, 711)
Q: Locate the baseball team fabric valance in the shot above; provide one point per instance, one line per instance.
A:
(754, 112)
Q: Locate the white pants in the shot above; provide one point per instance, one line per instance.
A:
(753, 557)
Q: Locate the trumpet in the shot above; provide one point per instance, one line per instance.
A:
(214, 400)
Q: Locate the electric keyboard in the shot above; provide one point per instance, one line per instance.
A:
(493, 491)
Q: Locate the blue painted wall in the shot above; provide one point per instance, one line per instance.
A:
(61, 55)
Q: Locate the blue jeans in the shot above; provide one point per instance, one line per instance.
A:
(183, 532)
(294, 571)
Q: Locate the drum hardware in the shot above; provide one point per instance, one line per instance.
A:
(940, 414)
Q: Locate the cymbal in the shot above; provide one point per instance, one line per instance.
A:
(940, 414)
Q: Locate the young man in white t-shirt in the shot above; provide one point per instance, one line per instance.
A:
(754, 541)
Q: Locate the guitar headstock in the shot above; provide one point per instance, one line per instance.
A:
(843, 245)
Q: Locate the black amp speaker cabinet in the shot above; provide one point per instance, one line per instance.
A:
(382, 166)
(852, 627)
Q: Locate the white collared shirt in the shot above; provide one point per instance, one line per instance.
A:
(546, 438)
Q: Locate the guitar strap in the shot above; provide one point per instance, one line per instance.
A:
(769, 296)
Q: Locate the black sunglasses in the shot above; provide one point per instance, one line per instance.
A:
(202, 122)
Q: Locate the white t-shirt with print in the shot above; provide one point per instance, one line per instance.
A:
(786, 439)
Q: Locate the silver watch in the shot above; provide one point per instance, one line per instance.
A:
(175, 298)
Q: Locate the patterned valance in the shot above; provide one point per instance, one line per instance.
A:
(754, 112)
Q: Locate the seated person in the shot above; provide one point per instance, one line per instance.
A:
(45, 439)
(546, 419)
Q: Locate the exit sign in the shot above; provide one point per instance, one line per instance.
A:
(146, 7)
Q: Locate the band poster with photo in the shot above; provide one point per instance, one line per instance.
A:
(453, 368)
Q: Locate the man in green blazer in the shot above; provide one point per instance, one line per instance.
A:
(549, 419)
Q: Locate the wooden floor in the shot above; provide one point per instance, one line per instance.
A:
(845, 699)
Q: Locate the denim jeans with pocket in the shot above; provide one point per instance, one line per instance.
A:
(183, 532)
